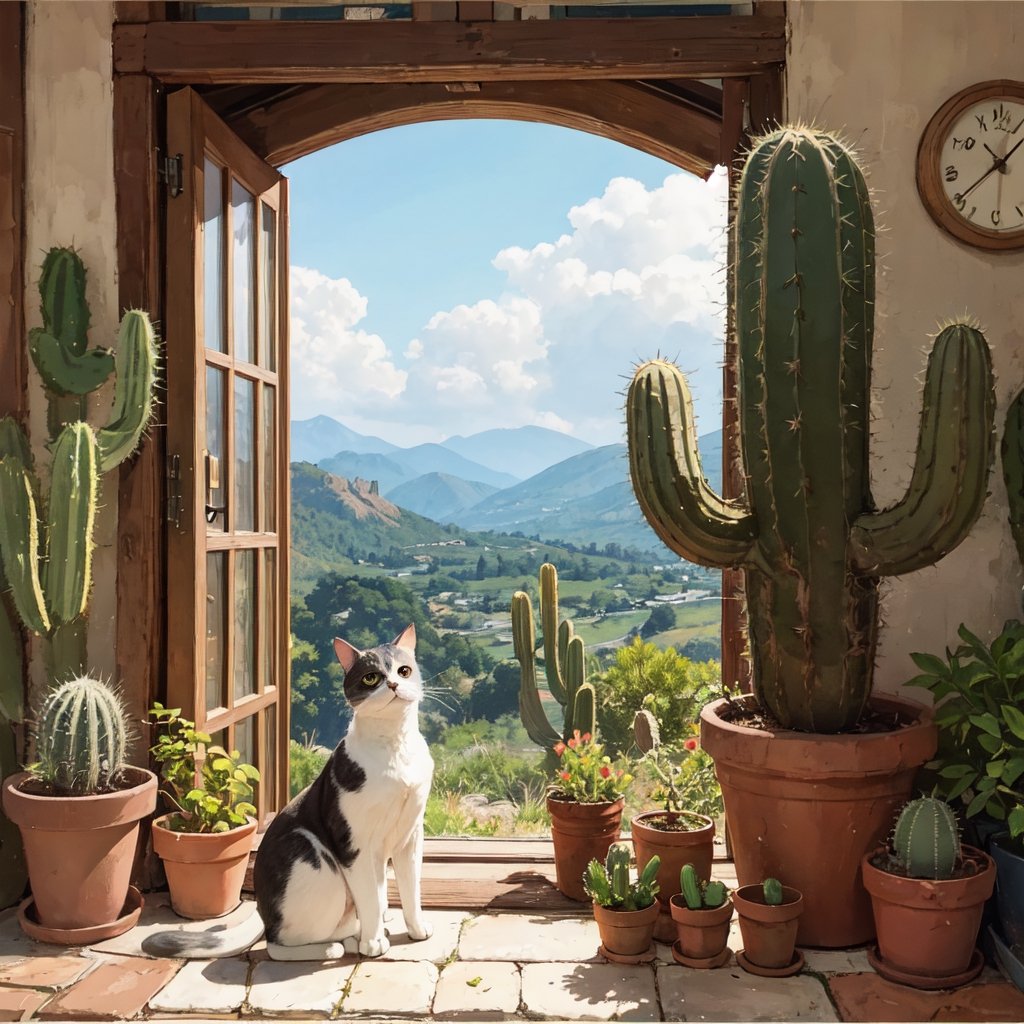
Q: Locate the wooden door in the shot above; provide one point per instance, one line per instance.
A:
(227, 443)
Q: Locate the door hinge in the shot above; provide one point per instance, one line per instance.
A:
(169, 173)
(173, 511)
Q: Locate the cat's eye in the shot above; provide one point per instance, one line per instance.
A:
(371, 679)
(405, 671)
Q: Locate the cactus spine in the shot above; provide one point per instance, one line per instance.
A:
(55, 529)
(81, 739)
(926, 839)
(808, 537)
(772, 889)
(563, 666)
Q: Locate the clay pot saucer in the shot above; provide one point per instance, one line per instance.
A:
(622, 958)
(926, 981)
(795, 966)
(701, 963)
(129, 917)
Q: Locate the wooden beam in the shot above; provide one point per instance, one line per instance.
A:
(396, 51)
(623, 111)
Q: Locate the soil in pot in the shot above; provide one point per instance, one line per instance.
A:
(205, 870)
(581, 833)
(626, 933)
(80, 850)
(769, 931)
(702, 934)
(810, 806)
(927, 929)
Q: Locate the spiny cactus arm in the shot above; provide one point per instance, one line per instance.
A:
(574, 675)
(19, 543)
(137, 364)
(715, 894)
(566, 631)
(596, 883)
(63, 371)
(549, 626)
(62, 299)
(524, 642)
(664, 465)
(11, 664)
(954, 454)
(584, 710)
(1012, 455)
(689, 885)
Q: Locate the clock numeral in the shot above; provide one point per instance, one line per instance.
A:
(1020, 212)
(980, 118)
(974, 210)
(967, 143)
(951, 173)
(1001, 118)
(995, 217)
(959, 201)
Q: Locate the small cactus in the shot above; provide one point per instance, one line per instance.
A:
(616, 863)
(608, 884)
(715, 894)
(772, 892)
(926, 839)
(82, 738)
(698, 893)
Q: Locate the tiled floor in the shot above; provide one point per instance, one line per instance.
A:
(475, 967)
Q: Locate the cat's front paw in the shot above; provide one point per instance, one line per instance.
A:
(419, 930)
(376, 946)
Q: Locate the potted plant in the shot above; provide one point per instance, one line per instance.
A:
(769, 914)
(78, 809)
(206, 840)
(812, 767)
(701, 912)
(675, 835)
(625, 911)
(927, 893)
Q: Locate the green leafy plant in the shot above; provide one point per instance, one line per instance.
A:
(585, 773)
(213, 798)
(609, 884)
(979, 692)
(699, 893)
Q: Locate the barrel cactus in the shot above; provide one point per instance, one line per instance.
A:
(81, 738)
(46, 538)
(808, 536)
(563, 666)
(926, 839)
(772, 889)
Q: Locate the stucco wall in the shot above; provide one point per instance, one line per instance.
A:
(877, 71)
(70, 201)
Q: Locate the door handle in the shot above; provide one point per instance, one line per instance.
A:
(212, 484)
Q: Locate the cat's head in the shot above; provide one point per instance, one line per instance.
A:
(382, 680)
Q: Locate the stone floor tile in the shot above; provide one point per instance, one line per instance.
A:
(52, 972)
(867, 997)
(438, 949)
(280, 987)
(529, 937)
(383, 988)
(16, 945)
(471, 990)
(116, 990)
(205, 986)
(599, 991)
(20, 1003)
(730, 994)
(837, 961)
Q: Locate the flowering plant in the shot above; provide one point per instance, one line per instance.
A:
(585, 773)
(685, 774)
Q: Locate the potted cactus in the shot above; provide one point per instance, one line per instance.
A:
(585, 800)
(769, 914)
(927, 893)
(78, 808)
(806, 534)
(625, 910)
(701, 911)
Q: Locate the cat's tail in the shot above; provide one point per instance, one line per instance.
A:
(213, 942)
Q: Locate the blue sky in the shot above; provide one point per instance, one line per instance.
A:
(455, 276)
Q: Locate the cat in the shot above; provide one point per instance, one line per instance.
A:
(320, 878)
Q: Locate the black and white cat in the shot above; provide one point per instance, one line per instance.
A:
(321, 871)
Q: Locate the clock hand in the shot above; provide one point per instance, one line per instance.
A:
(999, 164)
(1000, 160)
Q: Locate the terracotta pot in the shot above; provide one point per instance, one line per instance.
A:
(581, 833)
(627, 933)
(702, 934)
(769, 932)
(80, 850)
(205, 870)
(809, 806)
(927, 927)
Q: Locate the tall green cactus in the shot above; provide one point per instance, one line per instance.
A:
(46, 540)
(808, 537)
(563, 665)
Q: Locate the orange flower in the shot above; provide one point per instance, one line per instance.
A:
(565, 775)
(586, 737)
(572, 742)
(690, 744)
(606, 772)
(559, 748)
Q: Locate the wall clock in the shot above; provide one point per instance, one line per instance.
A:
(970, 166)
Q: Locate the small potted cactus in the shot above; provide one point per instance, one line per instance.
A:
(701, 911)
(625, 910)
(78, 808)
(927, 894)
(769, 915)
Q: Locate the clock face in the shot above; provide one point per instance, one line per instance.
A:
(970, 165)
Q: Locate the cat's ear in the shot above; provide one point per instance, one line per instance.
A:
(407, 638)
(346, 653)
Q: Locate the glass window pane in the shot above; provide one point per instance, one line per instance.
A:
(268, 770)
(213, 472)
(213, 256)
(268, 288)
(244, 739)
(216, 628)
(268, 456)
(268, 619)
(245, 624)
(244, 512)
(242, 239)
